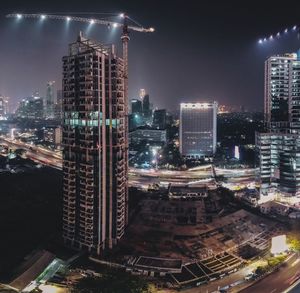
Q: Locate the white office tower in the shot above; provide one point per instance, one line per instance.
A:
(198, 129)
(278, 70)
(278, 149)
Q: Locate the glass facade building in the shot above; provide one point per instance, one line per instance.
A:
(198, 129)
(136, 106)
(278, 157)
(31, 108)
(277, 88)
(159, 119)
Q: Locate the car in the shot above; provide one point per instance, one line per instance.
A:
(249, 276)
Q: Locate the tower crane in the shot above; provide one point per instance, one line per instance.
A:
(124, 25)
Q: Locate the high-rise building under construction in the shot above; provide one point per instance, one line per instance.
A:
(95, 188)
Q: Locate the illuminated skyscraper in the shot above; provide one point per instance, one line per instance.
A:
(198, 129)
(277, 90)
(278, 149)
(95, 189)
(144, 97)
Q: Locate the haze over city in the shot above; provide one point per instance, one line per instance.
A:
(199, 50)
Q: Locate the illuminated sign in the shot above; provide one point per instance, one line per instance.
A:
(279, 244)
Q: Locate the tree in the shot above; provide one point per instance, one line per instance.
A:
(113, 282)
(294, 244)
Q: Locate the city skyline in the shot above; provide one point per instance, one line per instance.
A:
(221, 45)
(159, 151)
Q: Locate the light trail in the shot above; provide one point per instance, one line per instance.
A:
(144, 177)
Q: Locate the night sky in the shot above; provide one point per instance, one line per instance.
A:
(201, 50)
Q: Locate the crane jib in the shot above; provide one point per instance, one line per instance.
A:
(82, 19)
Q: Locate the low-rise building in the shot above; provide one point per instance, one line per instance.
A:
(147, 134)
(188, 192)
(274, 207)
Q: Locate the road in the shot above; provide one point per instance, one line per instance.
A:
(295, 288)
(279, 281)
(196, 176)
(36, 153)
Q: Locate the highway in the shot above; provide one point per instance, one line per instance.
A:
(141, 178)
(36, 153)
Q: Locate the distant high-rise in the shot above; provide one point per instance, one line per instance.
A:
(146, 106)
(142, 93)
(198, 129)
(31, 107)
(49, 106)
(159, 119)
(136, 118)
(58, 105)
(95, 171)
(144, 97)
(3, 107)
(136, 106)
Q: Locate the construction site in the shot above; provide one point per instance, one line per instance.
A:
(188, 253)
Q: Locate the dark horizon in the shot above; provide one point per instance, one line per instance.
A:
(198, 52)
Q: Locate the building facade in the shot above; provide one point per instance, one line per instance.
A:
(198, 129)
(31, 108)
(277, 88)
(49, 101)
(159, 119)
(95, 185)
(278, 157)
(58, 113)
(148, 135)
(136, 106)
(146, 106)
(3, 107)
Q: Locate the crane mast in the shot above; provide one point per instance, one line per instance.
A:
(125, 39)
